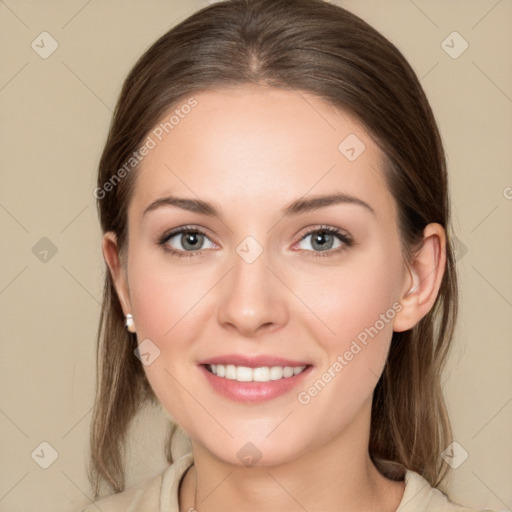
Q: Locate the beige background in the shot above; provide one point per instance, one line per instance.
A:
(54, 118)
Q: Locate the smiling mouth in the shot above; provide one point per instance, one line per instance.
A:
(260, 374)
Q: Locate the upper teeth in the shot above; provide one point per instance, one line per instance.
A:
(262, 374)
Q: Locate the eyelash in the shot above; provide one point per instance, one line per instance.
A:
(344, 238)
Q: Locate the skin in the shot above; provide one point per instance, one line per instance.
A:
(252, 150)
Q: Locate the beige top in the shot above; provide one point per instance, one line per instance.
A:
(160, 494)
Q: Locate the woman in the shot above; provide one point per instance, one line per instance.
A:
(274, 202)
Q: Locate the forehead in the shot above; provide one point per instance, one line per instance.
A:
(251, 146)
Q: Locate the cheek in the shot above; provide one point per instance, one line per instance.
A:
(360, 315)
(356, 304)
(165, 302)
(354, 296)
(163, 295)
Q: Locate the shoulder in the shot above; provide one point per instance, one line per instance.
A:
(420, 496)
(153, 495)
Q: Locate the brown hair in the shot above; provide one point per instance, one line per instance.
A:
(320, 48)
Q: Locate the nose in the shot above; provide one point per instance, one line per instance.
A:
(252, 299)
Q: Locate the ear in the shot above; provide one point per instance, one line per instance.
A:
(118, 272)
(420, 288)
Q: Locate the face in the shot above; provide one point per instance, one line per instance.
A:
(281, 286)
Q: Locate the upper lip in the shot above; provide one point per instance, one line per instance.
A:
(254, 361)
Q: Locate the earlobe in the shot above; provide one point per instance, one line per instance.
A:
(112, 258)
(426, 274)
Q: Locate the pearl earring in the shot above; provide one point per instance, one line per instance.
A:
(129, 324)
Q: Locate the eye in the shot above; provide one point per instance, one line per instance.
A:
(324, 238)
(188, 241)
(184, 240)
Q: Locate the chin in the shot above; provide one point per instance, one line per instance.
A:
(253, 451)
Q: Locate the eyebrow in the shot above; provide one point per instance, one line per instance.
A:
(301, 205)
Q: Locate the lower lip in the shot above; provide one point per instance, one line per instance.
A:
(253, 391)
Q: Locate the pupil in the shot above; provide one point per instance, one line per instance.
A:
(320, 239)
(191, 239)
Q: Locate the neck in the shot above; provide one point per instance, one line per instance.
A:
(336, 475)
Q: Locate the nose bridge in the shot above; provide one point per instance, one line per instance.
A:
(251, 297)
